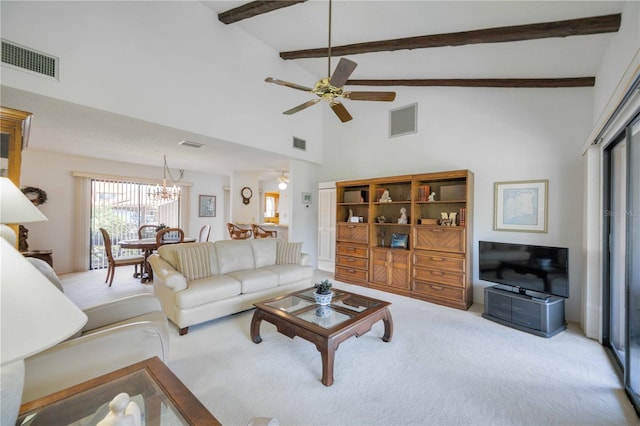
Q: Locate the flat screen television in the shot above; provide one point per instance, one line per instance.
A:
(526, 268)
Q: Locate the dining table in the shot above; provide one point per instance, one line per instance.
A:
(148, 246)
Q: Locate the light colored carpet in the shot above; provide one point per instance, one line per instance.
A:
(442, 367)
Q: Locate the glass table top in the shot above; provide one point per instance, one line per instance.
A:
(343, 307)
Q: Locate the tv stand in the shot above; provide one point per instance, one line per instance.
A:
(543, 317)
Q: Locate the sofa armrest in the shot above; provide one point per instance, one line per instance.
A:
(77, 360)
(120, 310)
(163, 272)
(305, 259)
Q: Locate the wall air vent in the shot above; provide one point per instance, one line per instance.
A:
(299, 143)
(29, 60)
(191, 144)
(403, 121)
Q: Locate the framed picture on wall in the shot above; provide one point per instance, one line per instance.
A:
(207, 206)
(521, 206)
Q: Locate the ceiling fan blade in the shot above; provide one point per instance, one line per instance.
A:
(341, 112)
(302, 106)
(288, 84)
(342, 72)
(370, 96)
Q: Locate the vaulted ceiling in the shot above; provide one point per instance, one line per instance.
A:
(446, 43)
(487, 43)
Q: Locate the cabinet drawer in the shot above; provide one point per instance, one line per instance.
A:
(438, 276)
(353, 250)
(351, 274)
(437, 261)
(436, 290)
(353, 232)
(440, 238)
(352, 262)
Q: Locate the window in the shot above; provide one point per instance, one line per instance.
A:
(271, 208)
(121, 207)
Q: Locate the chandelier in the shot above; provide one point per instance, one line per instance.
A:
(164, 193)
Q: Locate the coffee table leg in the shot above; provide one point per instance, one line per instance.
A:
(328, 354)
(388, 325)
(256, 320)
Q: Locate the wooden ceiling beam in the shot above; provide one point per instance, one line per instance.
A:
(571, 27)
(254, 8)
(483, 82)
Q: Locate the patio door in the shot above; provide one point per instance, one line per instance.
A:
(121, 207)
(622, 256)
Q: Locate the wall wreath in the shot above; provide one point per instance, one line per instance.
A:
(36, 195)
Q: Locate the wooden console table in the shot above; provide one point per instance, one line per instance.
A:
(46, 255)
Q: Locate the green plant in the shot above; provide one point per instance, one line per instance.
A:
(323, 287)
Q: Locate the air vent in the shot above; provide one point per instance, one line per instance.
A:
(403, 121)
(29, 60)
(191, 144)
(299, 143)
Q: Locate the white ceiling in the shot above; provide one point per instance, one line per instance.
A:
(305, 26)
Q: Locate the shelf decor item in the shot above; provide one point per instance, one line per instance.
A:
(521, 206)
(323, 294)
(399, 240)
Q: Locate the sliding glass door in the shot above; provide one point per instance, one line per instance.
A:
(622, 256)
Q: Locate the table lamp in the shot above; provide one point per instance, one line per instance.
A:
(34, 316)
(15, 208)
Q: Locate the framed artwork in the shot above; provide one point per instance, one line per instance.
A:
(521, 206)
(207, 206)
(306, 198)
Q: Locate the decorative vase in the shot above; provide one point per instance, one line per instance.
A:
(323, 299)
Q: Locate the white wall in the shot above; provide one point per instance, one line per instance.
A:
(500, 135)
(171, 63)
(52, 173)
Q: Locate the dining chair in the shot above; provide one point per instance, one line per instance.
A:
(147, 231)
(260, 232)
(237, 233)
(114, 262)
(204, 234)
(169, 235)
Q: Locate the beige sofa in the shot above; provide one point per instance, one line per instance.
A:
(117, 333)
(198, 282)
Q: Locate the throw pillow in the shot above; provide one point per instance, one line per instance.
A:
(193, 262)
(288, 253)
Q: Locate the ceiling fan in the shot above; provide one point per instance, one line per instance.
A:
(331, 88)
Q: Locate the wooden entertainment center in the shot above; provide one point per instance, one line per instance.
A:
(431, 256)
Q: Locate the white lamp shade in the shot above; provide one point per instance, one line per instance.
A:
(282, 185)
(34, 314)
(15, 207)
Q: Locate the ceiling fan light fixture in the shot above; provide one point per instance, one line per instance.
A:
(282, 182)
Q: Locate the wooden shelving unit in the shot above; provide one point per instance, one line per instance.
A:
(436, 264)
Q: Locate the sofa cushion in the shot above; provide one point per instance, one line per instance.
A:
(234, 255)
(255, 279)
(193, 262)
(288, 252)
(206, 290)
(169, 253)
(264, 251)
(288, 274)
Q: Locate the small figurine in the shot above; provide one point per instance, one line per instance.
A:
(403, 216)
(350, 215)
(122, 412)
(385, 198)
(432, 197)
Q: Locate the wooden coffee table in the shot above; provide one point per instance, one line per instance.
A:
(296, 314)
